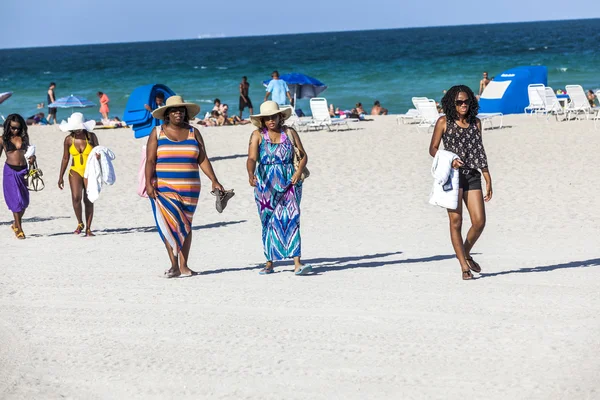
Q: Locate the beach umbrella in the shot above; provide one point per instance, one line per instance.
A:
(302, 86)
(71, 102)
(3, 97)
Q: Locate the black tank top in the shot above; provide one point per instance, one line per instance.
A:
(466, 143)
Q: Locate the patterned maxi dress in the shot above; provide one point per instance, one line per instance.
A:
(178, 187)
(278, 201)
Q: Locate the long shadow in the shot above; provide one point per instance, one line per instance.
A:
(594, 262)
(231, 157)
(335, 263)
(35, 219)
(145, 229)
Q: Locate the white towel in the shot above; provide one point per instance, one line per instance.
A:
(99, 172)
(445, 181)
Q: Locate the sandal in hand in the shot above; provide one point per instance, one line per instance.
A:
(222, 198)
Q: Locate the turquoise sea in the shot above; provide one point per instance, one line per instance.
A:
(387, 65)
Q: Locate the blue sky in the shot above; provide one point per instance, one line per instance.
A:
(32, 23)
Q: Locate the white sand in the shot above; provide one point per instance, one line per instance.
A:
(386, 316)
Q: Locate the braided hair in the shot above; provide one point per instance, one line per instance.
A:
(449, 106)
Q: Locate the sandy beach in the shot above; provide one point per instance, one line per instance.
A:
(386, 314)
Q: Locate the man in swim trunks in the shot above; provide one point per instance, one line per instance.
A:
(377, 109)
(244, 98)
(484, 82)
(51, 99)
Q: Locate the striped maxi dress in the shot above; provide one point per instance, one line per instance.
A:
(277, 200)
(178, 187)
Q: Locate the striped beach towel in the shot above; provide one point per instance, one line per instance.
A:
(178, 188)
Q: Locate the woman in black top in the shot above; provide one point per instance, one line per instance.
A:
(460, 130)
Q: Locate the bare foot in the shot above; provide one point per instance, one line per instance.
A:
(88, 233)
(185, 271)
(172, 273)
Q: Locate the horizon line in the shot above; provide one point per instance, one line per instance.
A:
(296, 33)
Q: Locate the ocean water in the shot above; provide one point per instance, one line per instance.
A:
(387, 65)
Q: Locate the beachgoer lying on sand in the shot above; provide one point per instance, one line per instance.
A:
(460, 130)
(78, 144)
(277, 185)
(377, 109)
(176, 146)
(37, 119)
(359, 109)
(227, 120)
(14, 142)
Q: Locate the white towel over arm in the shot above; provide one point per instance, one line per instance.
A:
(445, 181)
(99, 172)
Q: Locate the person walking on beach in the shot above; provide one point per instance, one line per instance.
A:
(14, 142)
(78, 144)
(103, 105)
(277, 185)
(174, 154)
(51, 98)
(278, 89)
(484, 82)
(244, 98)
(460, 130)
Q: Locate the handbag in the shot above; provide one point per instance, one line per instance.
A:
(35, 183)
(297, 156)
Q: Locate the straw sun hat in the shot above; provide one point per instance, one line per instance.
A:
(267, 109)
(176, 101)
(77, 122)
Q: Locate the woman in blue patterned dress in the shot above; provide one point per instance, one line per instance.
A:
(277, 185)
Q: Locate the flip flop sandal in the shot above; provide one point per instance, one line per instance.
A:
(467, 275)
(15, 230)
(79, 229)
(20, 235)
(222, 198)
(304, 270)
(473, 266)
(265, 271)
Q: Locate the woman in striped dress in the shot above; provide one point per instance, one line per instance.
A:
(174, 154)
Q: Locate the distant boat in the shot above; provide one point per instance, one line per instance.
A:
(211, 35)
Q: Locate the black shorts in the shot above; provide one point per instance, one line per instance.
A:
(469, 179)
(51, 111)
(244, 104)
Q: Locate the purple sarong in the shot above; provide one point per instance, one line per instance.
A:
(16, 194)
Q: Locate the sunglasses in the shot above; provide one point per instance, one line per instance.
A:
(461, 102)
(15, 128)
(177, 111)
(273, 117)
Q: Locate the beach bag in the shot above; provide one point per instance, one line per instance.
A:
(297, 156)
(35, 183)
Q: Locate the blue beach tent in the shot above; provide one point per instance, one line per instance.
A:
(507, 93)
(136, 115)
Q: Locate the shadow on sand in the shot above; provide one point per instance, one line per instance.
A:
(144, 229)
(231, 157)
(34, 219)
(321, 265)
(594, 262)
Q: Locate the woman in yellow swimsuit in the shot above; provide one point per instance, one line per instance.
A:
(79, 144)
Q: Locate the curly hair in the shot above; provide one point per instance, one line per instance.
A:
(449, 106)
(167, 119)
(6, 135)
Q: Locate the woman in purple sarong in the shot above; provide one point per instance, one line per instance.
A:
(14, 142)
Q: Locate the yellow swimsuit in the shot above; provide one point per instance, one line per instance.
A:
(80, 162)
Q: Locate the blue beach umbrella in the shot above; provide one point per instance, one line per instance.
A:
(71, 102)
(303, 86)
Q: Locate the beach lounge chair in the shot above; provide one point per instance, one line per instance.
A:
(428, 112)
(321, 118)
(412, 115)
(579, 102)
(488, 118)
(294, 121)
(552, 105)
(536, 93)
